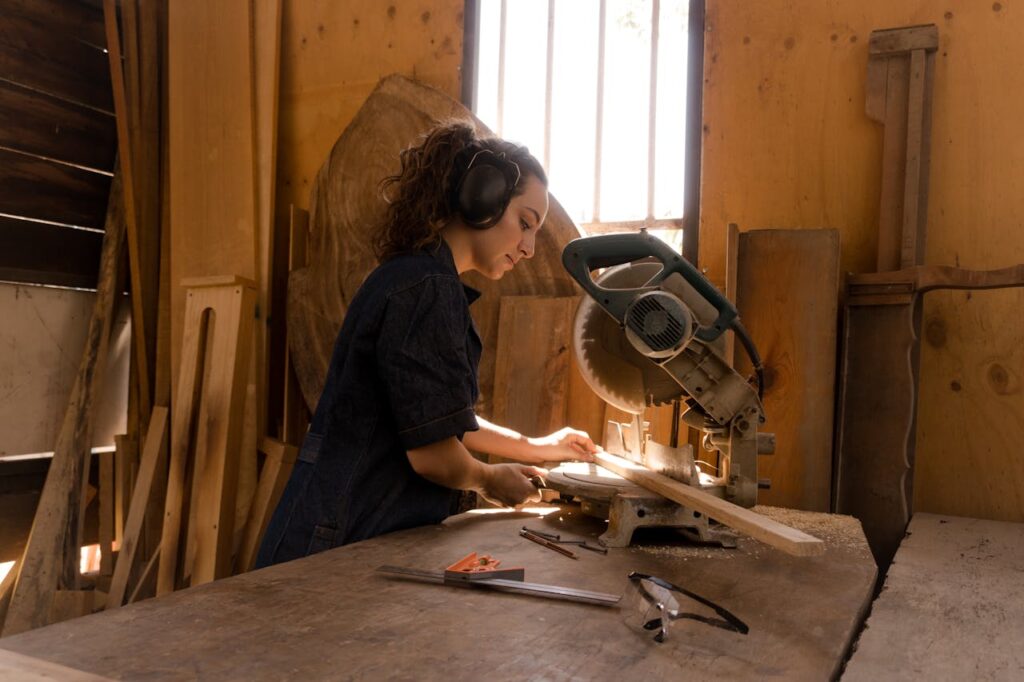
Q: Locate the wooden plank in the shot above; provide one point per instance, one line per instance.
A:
(155, 437)
(42, 59)
(894, 164)
(788, 298)
(211, 395)
(43, 125)
(531, 367)
(36, 188)
(39, 253)
(15, 666)
(211, 149)
(803, 613)
(755, 525)
(277, 467)
(51, 555)
(124, 142)
(951, 608)
(106, 512)
(296, 414)
(914, 210)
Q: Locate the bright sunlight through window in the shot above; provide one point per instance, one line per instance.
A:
(597, 90)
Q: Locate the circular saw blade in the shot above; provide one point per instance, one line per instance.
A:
(617, 372)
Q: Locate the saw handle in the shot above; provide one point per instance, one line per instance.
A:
(581, 256)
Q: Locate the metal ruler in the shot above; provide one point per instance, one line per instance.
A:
(500, 585)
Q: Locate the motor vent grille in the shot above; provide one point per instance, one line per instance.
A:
(656, 324)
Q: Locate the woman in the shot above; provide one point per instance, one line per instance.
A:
(389, 444)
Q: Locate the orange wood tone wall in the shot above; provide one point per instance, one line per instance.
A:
(787, 145)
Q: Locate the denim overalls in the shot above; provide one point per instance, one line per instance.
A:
(403, 374)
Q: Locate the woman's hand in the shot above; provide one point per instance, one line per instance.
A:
(510, 484)
(565, 444)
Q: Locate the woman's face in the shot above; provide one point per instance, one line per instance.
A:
(496, 250)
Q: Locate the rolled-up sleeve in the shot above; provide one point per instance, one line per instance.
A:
(424, 363)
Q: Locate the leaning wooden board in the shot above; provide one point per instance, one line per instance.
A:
(952, 607)
(329, 616)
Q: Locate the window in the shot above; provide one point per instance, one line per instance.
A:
(597, 89)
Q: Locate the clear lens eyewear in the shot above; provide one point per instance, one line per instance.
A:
(653, 603)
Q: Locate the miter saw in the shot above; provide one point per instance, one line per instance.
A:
(651, 331)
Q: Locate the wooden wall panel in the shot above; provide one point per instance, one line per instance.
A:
(35, 188)
(35, 123)
(35, 54)
(71, 19)
(787, 144)
(37, 252)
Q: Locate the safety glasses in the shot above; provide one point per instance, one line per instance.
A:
(653, 603)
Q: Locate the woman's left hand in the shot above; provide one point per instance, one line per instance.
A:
(565, 444)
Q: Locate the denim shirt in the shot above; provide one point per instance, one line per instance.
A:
(403, 375)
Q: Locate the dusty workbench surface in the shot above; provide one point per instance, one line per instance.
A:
(330, 616)
(952, 607)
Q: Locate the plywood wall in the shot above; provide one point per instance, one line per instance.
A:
(333, 54)
(787, 145)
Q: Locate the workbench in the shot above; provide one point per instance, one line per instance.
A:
(330, 616)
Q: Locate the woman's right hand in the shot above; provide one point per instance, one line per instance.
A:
(509, 484)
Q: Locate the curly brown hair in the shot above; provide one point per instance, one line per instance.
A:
(420, 197)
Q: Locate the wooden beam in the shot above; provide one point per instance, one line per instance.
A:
(33, 187)
(38, 253)
(744, 520)
(51, 555)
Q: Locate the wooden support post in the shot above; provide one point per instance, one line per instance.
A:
(218, 327)
(744, 520)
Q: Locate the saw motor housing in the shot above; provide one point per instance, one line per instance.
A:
(652, 330)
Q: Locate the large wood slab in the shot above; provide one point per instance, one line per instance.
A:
(952, 607)
(330, 616)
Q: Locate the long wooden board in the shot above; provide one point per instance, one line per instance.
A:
(753, 524)
(787, 292)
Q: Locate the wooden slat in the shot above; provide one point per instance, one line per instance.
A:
(124, 142)
(746, 521)
(51, 555)
(788, 297)
(140, 501)
(71, 20)
(35, 123)
(36, 188)
(38, 253)
(42, 59)
(106, 512)
(277, 467)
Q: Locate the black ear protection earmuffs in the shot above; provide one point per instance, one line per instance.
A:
(485, 188)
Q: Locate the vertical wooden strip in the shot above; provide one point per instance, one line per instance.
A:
(912, 233)
(894, 153)
(106, 512)
(788, 297)
(130, 214)
(296, 412)
(140, 501)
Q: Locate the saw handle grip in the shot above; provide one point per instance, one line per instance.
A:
(583, 255)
